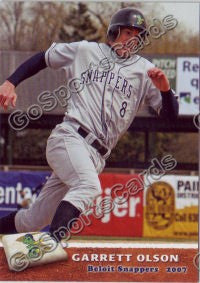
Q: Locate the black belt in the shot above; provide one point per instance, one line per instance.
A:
(96, 144)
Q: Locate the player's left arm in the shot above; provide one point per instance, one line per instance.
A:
(169, 106)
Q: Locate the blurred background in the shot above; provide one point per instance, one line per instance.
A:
(29, 27)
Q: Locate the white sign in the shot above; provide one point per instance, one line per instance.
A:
(187, 85)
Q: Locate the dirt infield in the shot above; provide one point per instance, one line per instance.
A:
(113, 262)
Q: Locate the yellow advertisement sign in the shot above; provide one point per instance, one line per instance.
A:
(171, 207)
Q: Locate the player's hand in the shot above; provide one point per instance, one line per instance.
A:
(159, 79)
(8, 96)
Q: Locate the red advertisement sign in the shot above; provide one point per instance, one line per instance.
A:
(124, 219)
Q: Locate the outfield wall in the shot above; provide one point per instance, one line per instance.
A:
(131, 205)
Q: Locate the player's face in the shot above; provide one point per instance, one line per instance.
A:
(126, 39)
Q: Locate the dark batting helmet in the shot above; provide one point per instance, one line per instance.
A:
(126, 17)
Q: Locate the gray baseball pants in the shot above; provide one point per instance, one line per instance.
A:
(76, 165)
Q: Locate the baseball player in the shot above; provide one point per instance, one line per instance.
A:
(99, 112)
(25, 202)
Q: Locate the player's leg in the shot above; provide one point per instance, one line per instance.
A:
(71, 159)
(7, 224)
(41, 212)
(75, 167)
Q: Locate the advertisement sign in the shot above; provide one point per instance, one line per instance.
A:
(171, 207)
(187, 85)
(18, 189)
(124, 219)
(121, 219)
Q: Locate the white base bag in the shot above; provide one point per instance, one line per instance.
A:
(31, 249)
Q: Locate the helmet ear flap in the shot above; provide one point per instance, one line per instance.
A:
(113, 33)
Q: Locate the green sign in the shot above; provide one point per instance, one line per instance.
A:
(168, 65)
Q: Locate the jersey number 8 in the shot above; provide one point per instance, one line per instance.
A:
(123, 109)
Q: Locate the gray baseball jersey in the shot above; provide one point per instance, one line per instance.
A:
(106, 92)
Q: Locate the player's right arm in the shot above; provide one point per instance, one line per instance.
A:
(29, 68)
